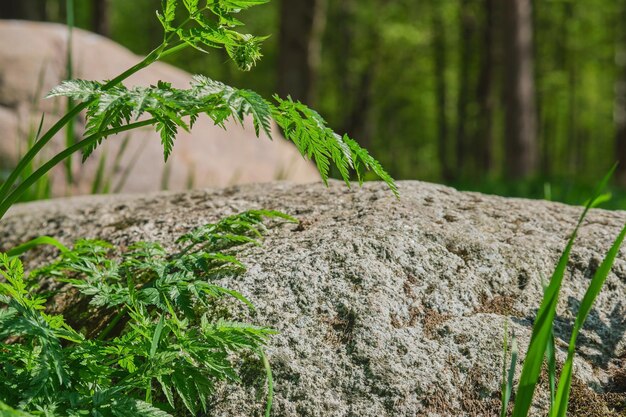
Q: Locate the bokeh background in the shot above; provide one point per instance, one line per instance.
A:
(516, 97)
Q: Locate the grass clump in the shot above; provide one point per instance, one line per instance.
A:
(542, 342)
(157, 346)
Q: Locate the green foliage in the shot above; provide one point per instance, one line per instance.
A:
(162, 346)
(112, 108)
(172, 108)
(542, 340)
(211, 26)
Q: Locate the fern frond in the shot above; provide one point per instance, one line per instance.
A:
(81, 90)
(170, 107)
(130, 407)
(191, 6)
(235, 6)
(169, 14)
(7, 411)
(364, 161)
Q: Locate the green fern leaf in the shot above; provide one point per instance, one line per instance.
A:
(246, 51)
(6, 411)
(235, 6)
(363, 160)
(130, 407)
(81, 90)
(167, 129)
(169, 14)
(191, 6)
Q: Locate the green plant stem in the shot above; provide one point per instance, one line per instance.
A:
(69, 132)
(36, 148)
(270, 383)
(173, 49)
(67, 118)
(104, 333)
(30, 180)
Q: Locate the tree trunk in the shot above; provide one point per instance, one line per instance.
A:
(301, 27)
(358, 124)
(439, 51)
(521, 112)
(100, 22)
(463, 146)
(485, 90)
(620, 100)
(23, 9)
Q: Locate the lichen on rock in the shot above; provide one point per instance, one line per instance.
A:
(385, 307)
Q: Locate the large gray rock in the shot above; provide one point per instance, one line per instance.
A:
(32, 61)
(386, 307)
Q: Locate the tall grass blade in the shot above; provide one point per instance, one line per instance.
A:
(551, 360)
(507, 379)
(542, 327)
(550, 357)
(98, 182)
(597, 282)
(41, 240)
(126, 171)
(165, 177)
(69, 131)
(40, 127)
(270, 383)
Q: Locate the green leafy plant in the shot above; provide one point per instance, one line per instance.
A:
(157, 345)
(542, 339)
(113, 108)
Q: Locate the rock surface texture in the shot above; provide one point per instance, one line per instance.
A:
(385, 307)
(32, 61)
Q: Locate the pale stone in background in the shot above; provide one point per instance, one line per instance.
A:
(32, 61)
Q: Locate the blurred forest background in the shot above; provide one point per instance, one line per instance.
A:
(515, 97)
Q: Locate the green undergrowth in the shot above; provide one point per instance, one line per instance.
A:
(142, 335)
(563, 190)
(542, 346)
(150, 340)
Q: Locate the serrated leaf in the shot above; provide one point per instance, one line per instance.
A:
(130, 407)
(169, 14)
(235, 6)
(81, 90)
(191, 6)
(167, 130)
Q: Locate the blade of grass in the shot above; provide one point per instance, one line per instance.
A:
(98, 181)
(127, 170)
(165, 177)
(69, 131)
(41, 240)
(507, 381)
(545, 316)
(550, 357)
(503, 385)
(156, 338)
(597, 282)
(270, 383)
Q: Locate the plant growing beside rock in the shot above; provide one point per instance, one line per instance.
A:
(158, 344)
(542, 343)
(113, 108)
(161, 343)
